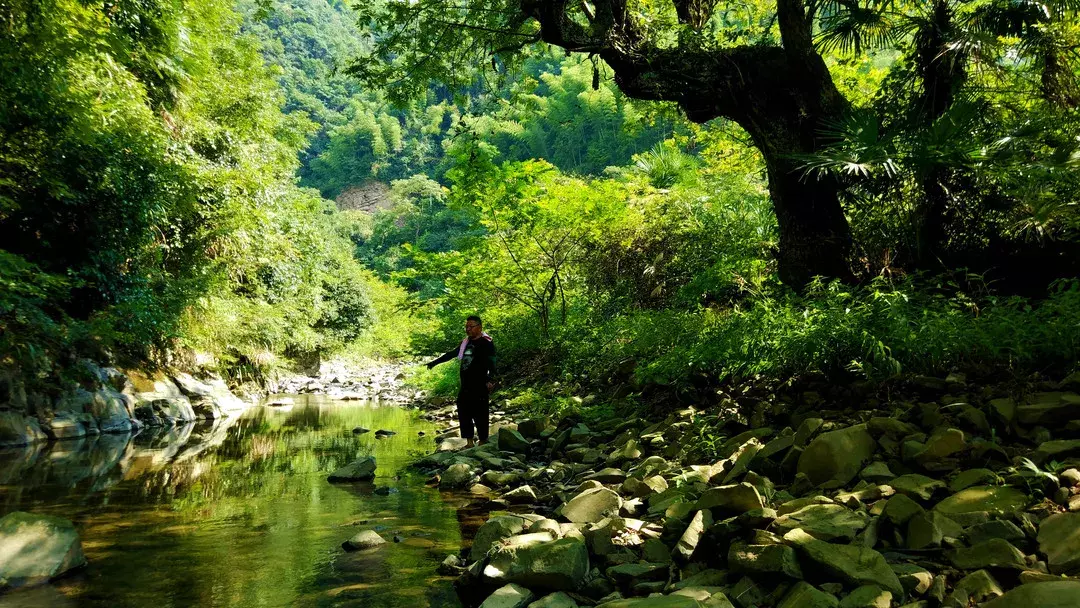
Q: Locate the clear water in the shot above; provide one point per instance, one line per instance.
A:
(240, 513)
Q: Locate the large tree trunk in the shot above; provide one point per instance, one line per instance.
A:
(782, 102)
(781, 95)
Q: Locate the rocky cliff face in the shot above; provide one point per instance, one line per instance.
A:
(110, 400)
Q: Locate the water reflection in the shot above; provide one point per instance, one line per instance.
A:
(239, 513)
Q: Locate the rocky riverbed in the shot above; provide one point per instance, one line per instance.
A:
(949, 495)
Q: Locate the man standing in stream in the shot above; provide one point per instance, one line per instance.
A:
(477, 356)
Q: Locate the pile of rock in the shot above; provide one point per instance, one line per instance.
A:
(919, 504)
(112, 401)
(376, 382)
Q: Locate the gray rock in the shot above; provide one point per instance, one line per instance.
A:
(510, 440)
(942, 444)
(1059, 540)
(764, 559)
(852, 564)
(456, 476)
(608, 475)
(660, 601)
(998, 500)
(362, 469)
(998, 528)
(876, 472)
(915, 486)
(733, 499)
(824, 522)
(972, 477)
(532, 428)
(836, 457)
(19, 430)
(520, 495)
(993, 553)
(899, 509)
(929, 529)
(559, 565)
(1049, 409)
(629, 575)
(366, 539)
(805, 431)
(688, 542)
(1061, 594)
(555, 600)
(494, 530)
(1057, 450)
(509, 596)
(867, 596)
(973, 589)
(628, 451)
(805, 595)
(37, 548)
(591, 506)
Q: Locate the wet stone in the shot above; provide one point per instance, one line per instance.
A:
(367, 539)
(1059, 540)
(993, 553)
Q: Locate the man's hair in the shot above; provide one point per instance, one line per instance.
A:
(474, 318)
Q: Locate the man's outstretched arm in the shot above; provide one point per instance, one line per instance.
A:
(450, 354)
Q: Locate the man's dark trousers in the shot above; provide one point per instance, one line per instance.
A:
(472, 409)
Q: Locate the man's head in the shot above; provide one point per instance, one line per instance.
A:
(474, 327)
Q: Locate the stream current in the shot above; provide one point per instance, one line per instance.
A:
(239, 512)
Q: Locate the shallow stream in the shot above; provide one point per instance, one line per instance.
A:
(240, 513)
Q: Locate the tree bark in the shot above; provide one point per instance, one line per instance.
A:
(780, 95)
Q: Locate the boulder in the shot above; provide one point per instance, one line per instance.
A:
(660, 601)
(509, 596)
(805, 595)
(1057, 594)
(834, 458)
(19, 430)
(1049, 409)
(972, 477)
(520, 495)
(824, 522)
(852, 564)
(732, 499)
(494, 530)
(688, 542)
(973, 589)
(764, 559)
(510, 440)
(367, 539)
(361, 469)
(37, 548)
(591, 506)
(942, 444)
(993, 553)
(555, 600)
(929, 529)
(628, 451)
(210, 399)
(1059, 540)
(559, 565)
(899, 509)
(456, 476)
(916, 486)
(867, 596)
(629, 575)
(532, 428)
(997, 500)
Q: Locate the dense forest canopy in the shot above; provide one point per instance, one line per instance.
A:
(975, 90)
(627, 191)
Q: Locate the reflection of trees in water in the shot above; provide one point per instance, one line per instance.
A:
(253, 491)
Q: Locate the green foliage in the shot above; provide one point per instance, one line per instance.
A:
(147, 199)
